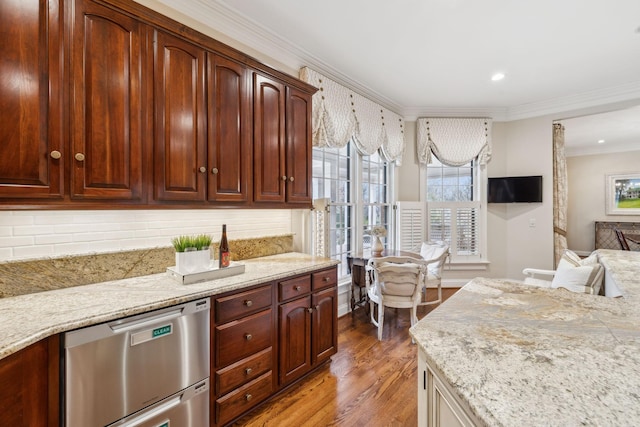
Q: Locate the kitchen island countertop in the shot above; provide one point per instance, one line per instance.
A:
(26, 319)
(520, 355)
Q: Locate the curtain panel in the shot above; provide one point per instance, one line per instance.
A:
(560, 193)
(454, 141)
(341, 115)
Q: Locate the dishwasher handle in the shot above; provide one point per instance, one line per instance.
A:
(126, 326)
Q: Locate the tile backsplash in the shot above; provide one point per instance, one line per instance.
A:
(41, 234)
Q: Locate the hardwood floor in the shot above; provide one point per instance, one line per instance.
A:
(368, 383)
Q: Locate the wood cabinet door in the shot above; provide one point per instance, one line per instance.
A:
(229, 130)
(29, 385)
(106, 104)
(180, 169)
(325, 324)
(295, 344)
(298, 146)
(269, 175)
(31, 152)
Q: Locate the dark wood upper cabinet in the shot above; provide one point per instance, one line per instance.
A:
(268, 139)
(229, 130)
(31, 153)
(106, 104)
(180, 167)
(298, 146)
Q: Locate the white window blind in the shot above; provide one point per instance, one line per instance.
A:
(410, 225)
(458, 224)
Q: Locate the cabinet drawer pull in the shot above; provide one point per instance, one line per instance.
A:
(297, 287)
(79, 157)
(248, 303)
(248, 337)
(326, 279)
(284, 178)
(291, 179)
(214, 171)
(248, 397)
(248, 371)
(55, 154)
(202, 169)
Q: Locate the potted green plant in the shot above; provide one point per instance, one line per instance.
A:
(192, 253)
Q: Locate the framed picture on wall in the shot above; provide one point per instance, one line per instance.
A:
(623, 194)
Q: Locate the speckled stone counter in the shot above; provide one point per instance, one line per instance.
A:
(518, 355)
(26, 319)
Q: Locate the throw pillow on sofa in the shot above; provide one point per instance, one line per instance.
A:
(578, 275)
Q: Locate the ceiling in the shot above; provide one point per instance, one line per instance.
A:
(436, 57)
(419, 57)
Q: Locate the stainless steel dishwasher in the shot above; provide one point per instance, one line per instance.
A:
(115, 370)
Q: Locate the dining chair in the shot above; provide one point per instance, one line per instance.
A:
(435, 255)
(396, 282)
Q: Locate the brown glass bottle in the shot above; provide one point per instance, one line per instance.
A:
(223, 258)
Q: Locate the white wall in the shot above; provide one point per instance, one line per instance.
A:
(39, 234)
(529, 151)
(586, 199)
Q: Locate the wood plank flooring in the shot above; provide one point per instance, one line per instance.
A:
(368, 383)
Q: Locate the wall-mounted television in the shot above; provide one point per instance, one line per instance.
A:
(515, 189)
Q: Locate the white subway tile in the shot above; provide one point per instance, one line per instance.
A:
(52, 239)
(11, 218)
(9, 242)
(6, 254)
(30, 252)
(31, 230)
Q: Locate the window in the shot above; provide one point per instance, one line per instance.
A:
(358, 192)
(375, 196)
(332, 179)
(454, 211)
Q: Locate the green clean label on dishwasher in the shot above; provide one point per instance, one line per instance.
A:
(162, 330)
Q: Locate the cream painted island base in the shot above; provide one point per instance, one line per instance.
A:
(501, 353)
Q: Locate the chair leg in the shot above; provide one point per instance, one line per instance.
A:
(371, 310)
(380, 320)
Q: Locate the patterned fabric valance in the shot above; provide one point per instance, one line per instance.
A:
(454, 141)
(340, 115)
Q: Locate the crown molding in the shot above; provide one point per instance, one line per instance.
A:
(602, 149)
(223, 19)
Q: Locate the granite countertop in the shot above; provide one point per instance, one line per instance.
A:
(26, 319)
(520, 355)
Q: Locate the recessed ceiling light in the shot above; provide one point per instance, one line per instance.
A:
(497, 77)
(601, 141)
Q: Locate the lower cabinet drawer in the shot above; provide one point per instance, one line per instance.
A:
(243, 371)
(241, 338)
(244, 398)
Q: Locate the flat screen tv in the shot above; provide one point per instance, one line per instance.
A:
(515, 189)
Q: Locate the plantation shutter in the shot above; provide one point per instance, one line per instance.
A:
(459, 219)
(320, 228)
(410, 225)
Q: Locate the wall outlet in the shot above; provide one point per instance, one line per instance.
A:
(532, 222)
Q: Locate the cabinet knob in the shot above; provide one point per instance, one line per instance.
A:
(310, 309)
(248, 371)
(79, 157)
(248, 397)
(55, 154)
(291, 178)
(202, 169)
(326, 279)
(248, 337)
(284, 178)
(248, 303)
(214, 171)
(297, 287)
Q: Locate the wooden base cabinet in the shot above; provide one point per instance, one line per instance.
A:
(307, 322)
(29, 395)
(256, 353)
(243, 368)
